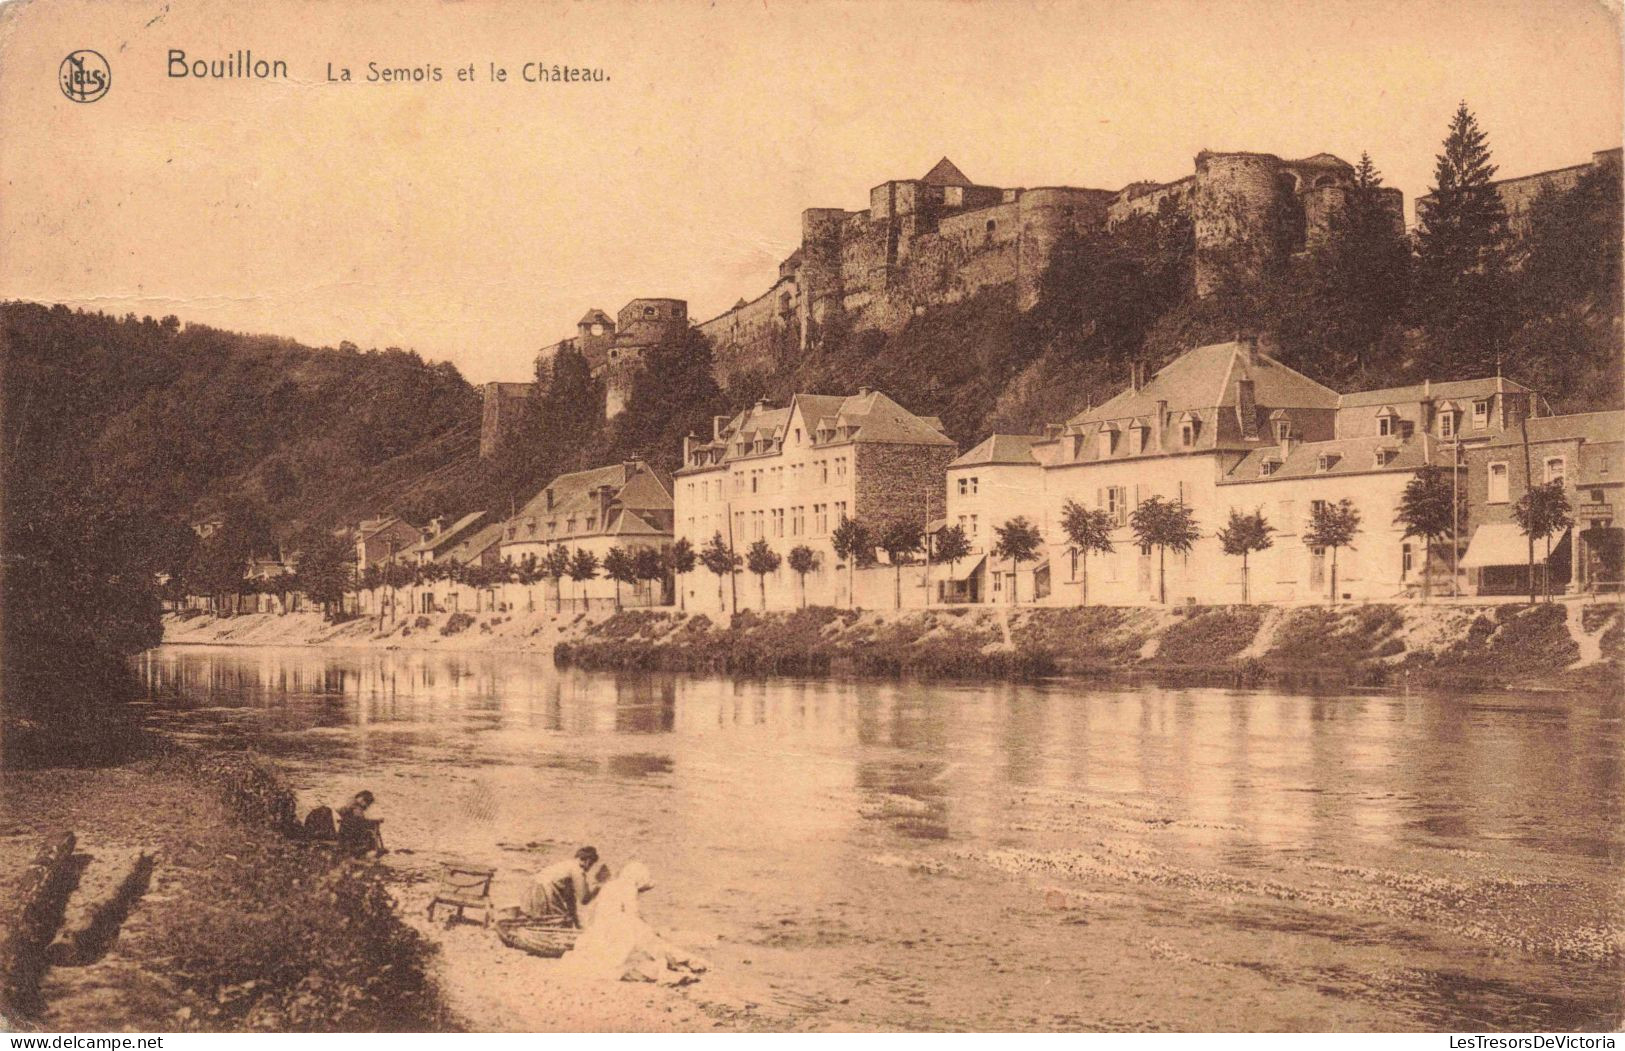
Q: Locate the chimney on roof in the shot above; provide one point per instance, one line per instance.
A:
(717, 423)
(550, 498)
(1159, 423)
(1516, 409)
(863, 392)
(1135, 376)
(761, 404)
(1052, 430)
(1247, 408)
(1252, 350)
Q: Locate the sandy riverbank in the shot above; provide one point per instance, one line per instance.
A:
(241, 928)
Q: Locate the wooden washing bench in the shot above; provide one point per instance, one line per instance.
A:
(464, 886)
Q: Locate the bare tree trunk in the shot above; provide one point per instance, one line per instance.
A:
(1334, 576)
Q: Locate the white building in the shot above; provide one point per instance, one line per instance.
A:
(788, 476)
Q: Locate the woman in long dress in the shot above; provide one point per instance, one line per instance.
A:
(618, 944)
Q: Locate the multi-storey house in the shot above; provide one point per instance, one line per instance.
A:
(626, 505)
(380, 540)
(441, 539)
(1586, 453)
(789, 475)
(1176, 435)
(986, 486)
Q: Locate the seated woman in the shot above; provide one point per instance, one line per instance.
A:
(562, 889)
(618, 944)
(359, 834)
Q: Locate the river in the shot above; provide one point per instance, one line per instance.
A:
(881, 855)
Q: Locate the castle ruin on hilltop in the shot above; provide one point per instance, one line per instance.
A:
(940, 238)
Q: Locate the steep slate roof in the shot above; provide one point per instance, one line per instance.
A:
(870, 416)
(371, 527)
(448, 536)
(635, 488)
(876, 417)
(1353, 456)
(946, 173)
(1206, 378)
(630, 523)
(477, 543)
(1458, 389)
(1001, 449)
(1586, 426)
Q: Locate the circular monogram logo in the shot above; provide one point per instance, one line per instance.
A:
(84, 76)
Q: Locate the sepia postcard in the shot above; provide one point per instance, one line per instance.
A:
(778, 516)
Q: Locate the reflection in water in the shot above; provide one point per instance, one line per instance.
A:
(1003, 856)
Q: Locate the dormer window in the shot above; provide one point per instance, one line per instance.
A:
(1187, 433)
(1268, 467)
(592, 522)
(1481, 413)
(1387, 422)
(1108, 443)
(1324, 462)
(1382, 457)
(1447, 424)
(1283, 430)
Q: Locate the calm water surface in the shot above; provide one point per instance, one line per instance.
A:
(878, 855)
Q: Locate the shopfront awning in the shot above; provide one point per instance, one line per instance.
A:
(966, 568)
(1501, 544)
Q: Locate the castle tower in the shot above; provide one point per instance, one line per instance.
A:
(641, 324)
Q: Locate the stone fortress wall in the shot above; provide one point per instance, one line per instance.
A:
(937, 239)
(940, 238)
(1517, 194)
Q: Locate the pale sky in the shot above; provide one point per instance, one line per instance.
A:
(477, 221)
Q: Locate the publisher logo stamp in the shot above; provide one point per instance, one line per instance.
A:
(84, 76)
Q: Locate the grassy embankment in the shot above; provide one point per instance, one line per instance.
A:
(189, 907)
(1373, 645)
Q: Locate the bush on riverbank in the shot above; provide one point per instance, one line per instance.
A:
(1085, 639)
(1211, 638)
(245, 928)
(1512, 641)
(811, 641)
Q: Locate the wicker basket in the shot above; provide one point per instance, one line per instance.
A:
(537, 938)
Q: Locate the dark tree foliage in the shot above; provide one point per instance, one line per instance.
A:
(673, 395)
(1569, 295)
(1104, 288)
(1462, 290)
(1336, 314)
(327, 571)
(119, 432)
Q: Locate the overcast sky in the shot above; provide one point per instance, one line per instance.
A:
(477, 221)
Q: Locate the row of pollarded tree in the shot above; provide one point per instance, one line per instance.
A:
(1431, 508)
(628, 566)
(326, 574)
(854, 542)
